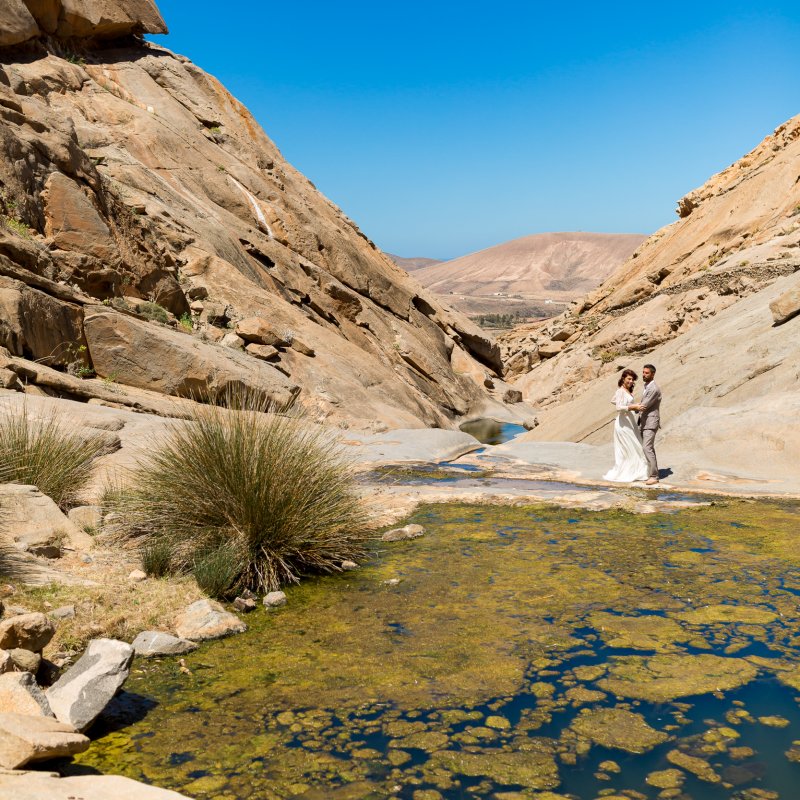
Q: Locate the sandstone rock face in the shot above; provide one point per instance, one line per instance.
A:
(16, 23)
(207, 619)
(136, 177)
(20, 694)
(706, 300)
(158, 643)
(29, 631)
(141, 354)
(33, 786)
(24, 739)
(95, 19)
(84, 690)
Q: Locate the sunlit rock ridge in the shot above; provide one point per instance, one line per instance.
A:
(130, 177)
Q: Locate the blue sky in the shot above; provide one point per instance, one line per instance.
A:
(444, 128)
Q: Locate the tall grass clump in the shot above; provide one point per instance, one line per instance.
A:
(242, 497)
(47, 452)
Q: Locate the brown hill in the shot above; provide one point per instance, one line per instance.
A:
(132, 180)
(412, 264)
(710, 300)
(558, 266)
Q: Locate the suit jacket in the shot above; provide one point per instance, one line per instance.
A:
(650, 417)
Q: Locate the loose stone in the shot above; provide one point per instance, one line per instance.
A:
(274, 599)
(158, 643)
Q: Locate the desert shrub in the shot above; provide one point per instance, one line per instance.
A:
(245, 498)
(157, 558)
(154, 312)
(47, 452)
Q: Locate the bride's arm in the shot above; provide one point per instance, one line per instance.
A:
(620, 400)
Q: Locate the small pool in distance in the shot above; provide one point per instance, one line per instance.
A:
(490, 431)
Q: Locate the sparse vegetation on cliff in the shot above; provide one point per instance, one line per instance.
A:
(242, 497)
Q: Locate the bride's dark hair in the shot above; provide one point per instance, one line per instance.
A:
(625, 374)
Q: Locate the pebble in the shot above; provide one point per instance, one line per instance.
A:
(137, 576)
(347, 565)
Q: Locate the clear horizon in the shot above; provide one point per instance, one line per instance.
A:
(441, 130)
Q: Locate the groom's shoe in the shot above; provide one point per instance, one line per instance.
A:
(651, 482)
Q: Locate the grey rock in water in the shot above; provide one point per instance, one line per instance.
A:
(406, 532)
(29, 631)
(25, 738)
(244, 604)
(207, 619)
(20, 694)
(84, 690)
(274, 599)
(158, 643)
(348, 565)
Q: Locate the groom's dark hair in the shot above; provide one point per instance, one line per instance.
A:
(651, 368)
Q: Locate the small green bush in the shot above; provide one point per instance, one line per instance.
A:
(186, 323)
(247, 498)
(48, 453)
(216, 572)
(154, 312)
(157, 558)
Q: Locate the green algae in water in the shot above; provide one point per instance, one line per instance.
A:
(523, 650)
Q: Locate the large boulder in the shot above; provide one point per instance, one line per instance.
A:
(24, 739)
(786, 306)
(16, 23)
(207, 619)
(151, 356)
(158, 643)
(36, 524)
(108, 18)
(84, 690)
(37, 786)
(28, 631)
(20, 694)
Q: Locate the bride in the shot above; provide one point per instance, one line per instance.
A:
(630, 463)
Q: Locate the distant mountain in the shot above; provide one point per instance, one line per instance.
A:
(554, 266)
(412, 264)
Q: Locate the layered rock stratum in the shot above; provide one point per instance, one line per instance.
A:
(135, 192)
(713, 300)
(525, 273)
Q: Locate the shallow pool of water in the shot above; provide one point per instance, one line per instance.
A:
(508, 652)
(490, 431)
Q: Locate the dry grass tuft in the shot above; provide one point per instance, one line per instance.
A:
(241, 497)
(47, 453)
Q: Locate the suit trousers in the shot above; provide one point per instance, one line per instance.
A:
(649, 443)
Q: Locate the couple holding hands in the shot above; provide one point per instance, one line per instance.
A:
(634, 439)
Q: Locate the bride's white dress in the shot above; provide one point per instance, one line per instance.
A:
(630, 463)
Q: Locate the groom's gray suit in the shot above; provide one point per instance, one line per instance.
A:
(649, 423)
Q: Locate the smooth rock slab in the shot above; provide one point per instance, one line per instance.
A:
(28, 631)
(31, 786)
(406, 532)
(158, 643)
(207, 619)
(84, 690)
(24, 739)
(20, 694)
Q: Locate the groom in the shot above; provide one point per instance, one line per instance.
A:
(649, 420)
